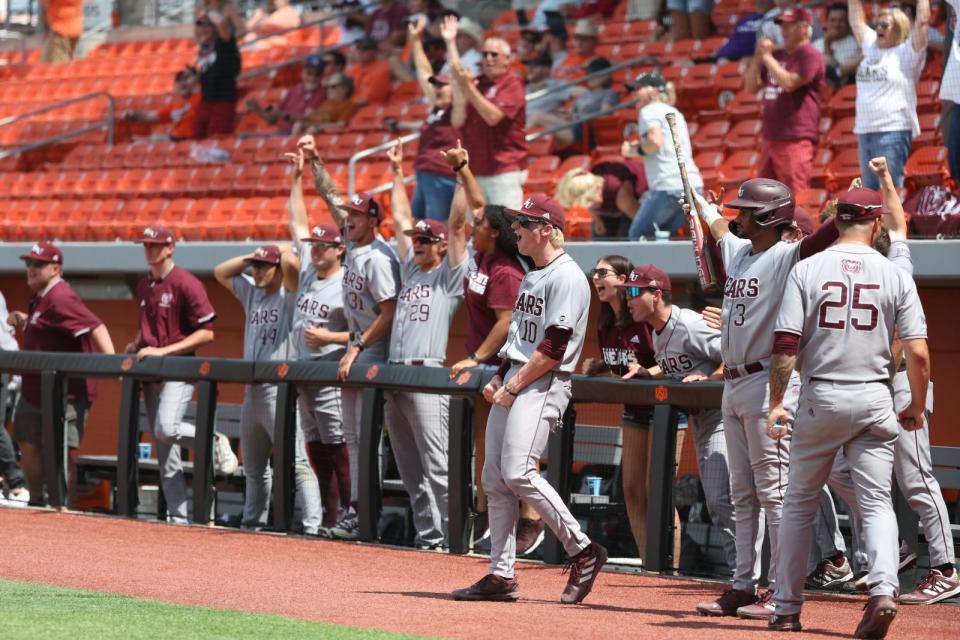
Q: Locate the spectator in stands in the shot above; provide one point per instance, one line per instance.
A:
(333, 62)
(298, 100)
(840, 49)
(63, 23)
(277, 16)
(770, 28)
(792, 82)
(335, 111)
(180, 112)
(690, 19)
(743, 41)
(57, 320)
(660, 208)
(950, 97)
(490, 112)
(13, 490)
(555, 43)
(387, 25)
(626, 349)
(595, 97)
(585, 38)
(229, 10)
(435, 179)
(936, 41)
(469, 38)
(371, 75)
(893, 57)
(218, 61)
(552, 98)
(611, 190)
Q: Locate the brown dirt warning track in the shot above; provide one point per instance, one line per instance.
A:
(383, 588)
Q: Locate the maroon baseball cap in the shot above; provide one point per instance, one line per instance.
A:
(860, 204)
(44, 251)
(647, 276)
(802, 221)
(157, 234)
(794, 14)
(325, 234)
(439, 79)
(268, 253)
(364, 203)
(431, 229)
(540, 206)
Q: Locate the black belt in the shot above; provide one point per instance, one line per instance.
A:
(879, 380)
(409, 363)
(733, 374)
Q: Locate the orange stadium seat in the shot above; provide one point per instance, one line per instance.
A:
(812, 200)
(737, 168)
(841, 133)
(102, 214)
(710, 136)
(709, 163)
(929, 130)
(542, 146)
(843, 103)
(843, 168)
(926, 166)
(540, 174)
(744, 135)
(819, 172)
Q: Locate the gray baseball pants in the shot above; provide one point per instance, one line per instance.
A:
(257, 432)
(351, 401)
(859, 419)
(166, 402)
(516, 438)
(418, 424)
(758, 472)
(710, 445)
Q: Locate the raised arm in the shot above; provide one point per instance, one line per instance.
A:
(299, 223)
(290, 265)
(420, 61)
(399, 202)
(322, 180)
(227, 270)
(458, 112)
(896, 220)
(223, 25)
(858, 19)
(459, 161)
(921, 25)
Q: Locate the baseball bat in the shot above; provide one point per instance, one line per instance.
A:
(705, 271)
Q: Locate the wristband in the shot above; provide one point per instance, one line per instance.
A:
(710, 215)
(460, 166)
(473, 356)
(508, 391)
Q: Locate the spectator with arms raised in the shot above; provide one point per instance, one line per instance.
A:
(218, 61)
(840, 49)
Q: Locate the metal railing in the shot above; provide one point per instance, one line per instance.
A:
(54, 368)
(107, 123)
(16, 36)
(321, 22)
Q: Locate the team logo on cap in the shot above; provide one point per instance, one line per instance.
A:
(37, 249)
(740, 192)
(528, 204)
(423, 226)
(319, 232)
(356, 199)
(150, 232)
(633, 277)
(260, 252)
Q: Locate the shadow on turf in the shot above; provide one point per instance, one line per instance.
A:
(706, 623)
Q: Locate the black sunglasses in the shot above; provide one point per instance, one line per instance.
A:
(490, 54)
(601, 272)
(36, 264)
(526, 221)
(425, 240)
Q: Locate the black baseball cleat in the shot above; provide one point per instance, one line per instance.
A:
(490, 587)
(789, 622)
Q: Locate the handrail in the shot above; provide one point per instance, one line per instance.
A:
(17, 36)
(540, 93)
(366, 153)
(259, 71)
(108, 124)
(303, 25)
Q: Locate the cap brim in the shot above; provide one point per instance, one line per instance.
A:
(319, 241)
(412, 233)
(252, 260)
(151, 241)
(39, 259)
(743, 203)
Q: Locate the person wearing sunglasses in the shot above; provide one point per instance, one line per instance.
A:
(433, 263)
(688, 350)
(836, 324)
(757, 264)
(336, 109)
(626, 351)
(490, 112)
(300, 99)
(530, 393)
(894, 53)
(57, 320)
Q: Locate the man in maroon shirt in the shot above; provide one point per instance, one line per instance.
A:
(491, 115)
(388, 24)
(299, 99)
(176, 318)
(57, 320)
(792, 83)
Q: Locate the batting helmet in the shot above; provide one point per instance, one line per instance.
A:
(772, 201)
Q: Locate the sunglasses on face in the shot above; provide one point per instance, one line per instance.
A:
(601, 272)
(261, 265)
(36, 264)
(636, 292)
(423, 240)
(526, 221)
(491, 54)
(884, 25)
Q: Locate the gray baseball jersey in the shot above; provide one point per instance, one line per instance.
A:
(425, 308)
(319, 304)
(557, 295)
(845, 303)
(269, 316)
(371, 274)
(687, 345)
(899, 254)
(750, 297)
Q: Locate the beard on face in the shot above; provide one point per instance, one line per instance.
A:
(882, 242)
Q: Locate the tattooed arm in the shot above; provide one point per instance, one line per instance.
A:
(322, 180)
(781, 367)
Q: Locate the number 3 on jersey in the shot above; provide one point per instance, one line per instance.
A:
(838, 300)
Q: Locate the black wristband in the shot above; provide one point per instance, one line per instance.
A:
(473, 356)
(508, 391)
(460, 166)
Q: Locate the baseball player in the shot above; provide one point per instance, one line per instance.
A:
(319, 333)
(835, 326)
(530, 392)
(56, 320)
(268, 307)
(433, 263)
(688, 350)
(757, 264)
(371, 275)
(626, 350)
(176, 318)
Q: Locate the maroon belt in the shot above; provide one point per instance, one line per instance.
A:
(733, 374)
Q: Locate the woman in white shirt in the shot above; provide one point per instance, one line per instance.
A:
(893, 57)
(660, 209)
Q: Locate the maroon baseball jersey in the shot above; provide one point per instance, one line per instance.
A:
(172, 308)
(59, 321)
(622, 346)
(492, 284)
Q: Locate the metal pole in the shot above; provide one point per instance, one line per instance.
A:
(368, 491)
(284, 442)
(127, 454)
(53, 438)
(203, 451)
(459, 456)
(660, 501)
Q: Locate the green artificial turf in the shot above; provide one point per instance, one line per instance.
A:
(40, 612)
